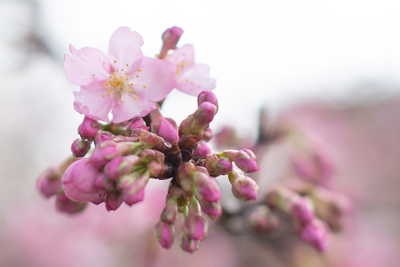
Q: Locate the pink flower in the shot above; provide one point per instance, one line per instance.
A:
(124, 82)
(79, 180)
(191, 78)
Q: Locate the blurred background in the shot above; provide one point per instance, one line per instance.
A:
(332, 68)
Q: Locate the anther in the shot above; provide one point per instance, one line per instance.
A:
(93, 74)
(122, 69)
(137, 76)
(103, 95)
(106, 84)
(136, 98)
(122, 101)
(127, 65)
(115, 61)
(186, 80)
(144, 86)
(139, 70)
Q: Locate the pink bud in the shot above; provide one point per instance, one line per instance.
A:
(78, 182)
(120, 165)
(133, 187)
(165, 234)
(170, 211)
(189, 245)
(108, 150)
(205, 188)
(102, 137)
(170, 38)
(113, 200)
(243, 187)
(195, 226)
(201, 151)
(203, 116)
(80, 147)
(212, 209)
(315, 233)
(104, 182)
(49, 182)
(64, 204)
(218, 165)
(136, 124)
(207, 96)
(301, 208)
(166, 128)
(89, 128)
(183, 175)
(246, 161)
(261, 219)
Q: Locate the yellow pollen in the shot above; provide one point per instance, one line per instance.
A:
(113, 73)
(136, 98)
(127, 65)
(137, 76)
(122, 69)
(103, 95)
(123, 90)
(93, 74)
(106, 84)
(115, 61)
(110, 76)
(126, 79)
(122, 101)
(104, 63)
(131, 84)
(186, 80)
(130, 90)
(139, 70)
(144, 86)
(108, 93)
(126, 73)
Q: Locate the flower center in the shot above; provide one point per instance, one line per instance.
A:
(121, 83)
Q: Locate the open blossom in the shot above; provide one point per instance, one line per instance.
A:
(191, 77)
(124, 82)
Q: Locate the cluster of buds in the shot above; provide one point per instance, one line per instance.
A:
(127, 155)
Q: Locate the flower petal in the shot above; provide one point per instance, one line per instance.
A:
(78, 182)
(90, 102)
(83, 63)
(131, 108)
(182, 55)
(195, 79)
(125, 49)
(157, 77)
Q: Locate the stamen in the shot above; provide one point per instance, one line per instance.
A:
(127, 65)
(93, 74)
(137, 76)
(122, 69)
(122, 101)
(115, 61)
(103, 95)
(186, 80)
(139, 70)
(144, 86)
(136, 98)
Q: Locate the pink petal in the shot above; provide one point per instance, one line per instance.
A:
(125, 49)
(78, 182)
(90, 102)
(83, 63)
(158, 77)
(195, 79)
(131, 108)
(182, 55)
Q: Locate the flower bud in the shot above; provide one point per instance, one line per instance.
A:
(243, 187)
(203, 116)
(166, 128)
(89, 128)
(80, 147)
(64, 204)
(189, 245)
(104, 182)
(113, 200)
(136, 124)
(164, 233)
(195, 226)
(201, 151)
(78, 182)
(170, 211)
(120, 165)
(207, 96)
(261, 219)
(301, 208)
(246, 161)
(133, 187)
(218, 166)
(102, 137)
(315, 234)
(205, 188)
(49, 182)
(212, 209)
(170, 38)
(183, 175)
